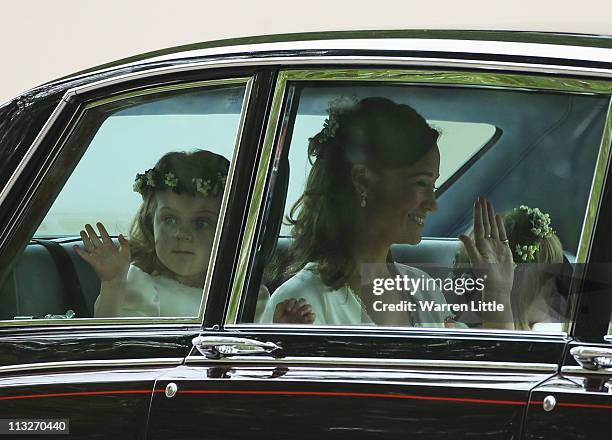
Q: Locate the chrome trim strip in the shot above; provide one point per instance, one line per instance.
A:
(112, 363)
(341, 362)
(34, 147)
(225, 199)
(405, 44)
(256, 201)
(405, 62)
(168, 88)
(159, 320)
(401, 332)
(594, 200)
(101, 331)
(579, 371)
(477, 79)
(583, 53)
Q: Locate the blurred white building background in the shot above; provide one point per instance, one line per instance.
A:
(42, 40)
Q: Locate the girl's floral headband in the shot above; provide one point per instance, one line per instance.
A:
(540, 228)
(154, 180)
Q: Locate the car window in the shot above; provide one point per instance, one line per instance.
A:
(387, 178)
(459, 141)
(149, 186)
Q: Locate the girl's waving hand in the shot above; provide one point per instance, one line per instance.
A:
(110, 263)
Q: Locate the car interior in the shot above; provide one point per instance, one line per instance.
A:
(551, 143)
(543, 154)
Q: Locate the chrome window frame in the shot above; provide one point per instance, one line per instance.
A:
(431, 366)
(470, 45)
(58, 147)
(185, 62)
(195, 65)
(413, 76)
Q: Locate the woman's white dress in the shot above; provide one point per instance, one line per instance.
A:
(341, 306)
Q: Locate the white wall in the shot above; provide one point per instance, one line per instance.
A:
(42, 40)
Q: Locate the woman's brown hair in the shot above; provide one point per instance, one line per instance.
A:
(375, 132)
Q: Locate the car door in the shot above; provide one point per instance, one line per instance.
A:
(247, 379)
(60, 363)
(576, 402)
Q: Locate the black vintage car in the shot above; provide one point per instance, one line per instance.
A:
(525, 119)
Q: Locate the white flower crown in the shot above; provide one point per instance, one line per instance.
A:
(152, 180)
(540, 228)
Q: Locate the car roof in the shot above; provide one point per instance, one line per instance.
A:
(314, 40)
(586, 49)
(326, 40)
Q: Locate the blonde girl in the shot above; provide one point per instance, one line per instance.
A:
(536, 303)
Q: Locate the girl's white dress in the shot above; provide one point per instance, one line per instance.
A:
(341, 306)
(156, 295)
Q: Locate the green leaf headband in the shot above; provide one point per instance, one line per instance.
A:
(540, 228)
(153, 180)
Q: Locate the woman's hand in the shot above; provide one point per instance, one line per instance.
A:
(491, 257)
(111, 264)
(292, 311)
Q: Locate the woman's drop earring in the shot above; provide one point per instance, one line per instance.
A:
(364, 199)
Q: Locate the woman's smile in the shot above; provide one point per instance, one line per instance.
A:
(400, 199)
(417, 218)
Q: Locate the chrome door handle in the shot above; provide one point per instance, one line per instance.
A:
(215, 347)
(592, 358)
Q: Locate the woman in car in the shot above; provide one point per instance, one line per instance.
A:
(372, 184)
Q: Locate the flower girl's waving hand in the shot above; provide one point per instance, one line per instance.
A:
(110, 263)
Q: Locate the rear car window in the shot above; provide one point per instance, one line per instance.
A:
(131, 232)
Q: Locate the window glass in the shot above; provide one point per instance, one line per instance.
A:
(383, 180)
(149, 186)
(458, 142)
(129, 138)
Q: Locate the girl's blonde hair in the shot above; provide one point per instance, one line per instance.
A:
(186, 167)
(530, 280)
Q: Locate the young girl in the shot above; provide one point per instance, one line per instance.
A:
(536, 302)
(160, 271)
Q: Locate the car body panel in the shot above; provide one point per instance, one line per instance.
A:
(90, 399)
(358, 378)
(582, 405)
(332, 401)
(329, 382)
